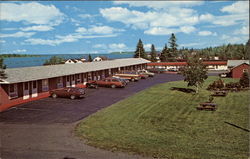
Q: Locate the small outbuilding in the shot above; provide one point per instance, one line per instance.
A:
(237, 71)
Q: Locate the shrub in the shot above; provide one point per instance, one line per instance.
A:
(244, 80)
(219, 84)
(233, 85)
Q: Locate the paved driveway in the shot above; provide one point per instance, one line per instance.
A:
(63, 110)
(43, 129)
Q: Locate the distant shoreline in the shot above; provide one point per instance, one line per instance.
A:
(18, 55)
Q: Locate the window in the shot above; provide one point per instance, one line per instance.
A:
(67, 79)
(59, 82)
(34, 84)
(13, 91)
(45, 85)
(26, 86)
(245, 70)
(78, 79)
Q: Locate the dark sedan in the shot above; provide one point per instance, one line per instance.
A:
(69, 92)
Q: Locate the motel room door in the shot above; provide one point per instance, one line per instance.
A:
(26, 90)
(34, 89)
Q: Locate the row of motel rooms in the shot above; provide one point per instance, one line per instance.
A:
(12, 94)
(16, 90)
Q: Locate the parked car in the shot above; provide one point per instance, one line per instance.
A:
(157, 70)
(150, 74)
(69, 92)
(141, 75)
(127, 76)
(122, 79)
(108, 82)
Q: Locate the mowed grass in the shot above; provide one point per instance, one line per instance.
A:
(162, 123)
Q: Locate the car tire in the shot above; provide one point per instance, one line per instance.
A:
(113, 86)
(96, 86)
(54, 95)
(72, 97)
(132, 79)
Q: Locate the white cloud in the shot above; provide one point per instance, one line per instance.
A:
(98, 30)
(237, 7)
(207, 33)
(84, 16)
(19, 51)
(160, 4)
(38, 28)
(234, 39)
(154, 21)
(160, 31)
(191, 44)
(33, 13)
(206, 17)
(17, 35)
(243, 31)
(147, 46)
(111, 47)
(187, 29)
(2, 41)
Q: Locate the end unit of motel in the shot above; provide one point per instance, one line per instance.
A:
(31, 83)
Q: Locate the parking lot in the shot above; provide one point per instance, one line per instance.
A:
(63, 110)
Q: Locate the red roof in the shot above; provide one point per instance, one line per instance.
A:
(185, 63)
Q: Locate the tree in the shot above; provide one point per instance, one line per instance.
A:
(244, 80)
(140, 52)
(90, 58)
(2, 68)
(173, 45)
(54, 60)
(164, 54)
(195, 72)
(153, 53)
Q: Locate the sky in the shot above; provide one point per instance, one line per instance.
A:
(82, 27)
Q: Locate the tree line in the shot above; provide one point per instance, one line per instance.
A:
(170, 52)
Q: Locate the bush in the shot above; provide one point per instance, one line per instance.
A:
(244, 80)
(219, 84)
(233, 85)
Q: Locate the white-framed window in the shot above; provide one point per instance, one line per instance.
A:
(13, 91)
(45, 85)
(78, 78)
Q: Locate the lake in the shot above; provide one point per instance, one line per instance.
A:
(15, 62)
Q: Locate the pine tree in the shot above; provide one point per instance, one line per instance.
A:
(140, 52)
(90, 58)
(173, 46)
(2, 68)
(164, 54)
(153, 53)
(195, 72)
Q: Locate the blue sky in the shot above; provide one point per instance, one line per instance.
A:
(80, 27)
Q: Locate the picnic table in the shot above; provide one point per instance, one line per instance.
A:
(207, 106)
(220, 93)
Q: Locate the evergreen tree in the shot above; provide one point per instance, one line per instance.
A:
(195, 72)
(244, 80)
(173, 46)
(140, 52)
(2, 68)
(153, 53)
(90, 58)
(164, 54)
(54, 60)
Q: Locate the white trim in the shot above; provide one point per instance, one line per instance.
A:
(13, 94)
(26, 92)
(34, 90)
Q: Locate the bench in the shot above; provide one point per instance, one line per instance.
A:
(207, 106)
(220, 93)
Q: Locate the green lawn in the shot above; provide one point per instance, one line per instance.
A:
(163, 123)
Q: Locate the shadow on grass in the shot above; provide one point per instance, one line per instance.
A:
(185, 90)
(237, 126)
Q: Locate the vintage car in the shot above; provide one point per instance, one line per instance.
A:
(69, 92)
(107, 82)
(126, 81)
(127, 76)
(141, 75)
(146, 72)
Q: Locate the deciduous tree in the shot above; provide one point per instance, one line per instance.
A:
(244, 80)
(54, 60)
(195, 73)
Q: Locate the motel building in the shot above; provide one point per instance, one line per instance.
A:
(31, 83)
(210, 65)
